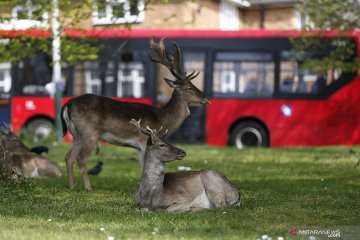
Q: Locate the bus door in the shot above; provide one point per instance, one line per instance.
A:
(193, 128)
(5, 86)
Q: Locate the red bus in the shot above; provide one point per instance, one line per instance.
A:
(261, 93)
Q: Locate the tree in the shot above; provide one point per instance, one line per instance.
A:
(71, 14)
(328, 15)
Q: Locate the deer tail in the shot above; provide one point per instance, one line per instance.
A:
(65, 117)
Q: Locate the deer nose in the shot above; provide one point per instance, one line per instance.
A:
(206, 100)
(182, 154)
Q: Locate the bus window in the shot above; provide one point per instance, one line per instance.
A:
(196, 62)
(5, 77)
(296, 79)
(34, 76)
(243, 75)
(131, 80)
(92, 78)
(193, 61)
(5, 87)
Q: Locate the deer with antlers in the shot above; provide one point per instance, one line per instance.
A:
(90, 118)
(179, 191)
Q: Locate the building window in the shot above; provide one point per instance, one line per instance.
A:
(229, 16)
(118, 12)
(243, 75)
(5, 77)
(25, 17)
(302, 21)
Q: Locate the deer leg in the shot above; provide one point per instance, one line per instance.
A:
(141, 155)
(70, 159)
(219, 189)
(179, 207)
(82, 159)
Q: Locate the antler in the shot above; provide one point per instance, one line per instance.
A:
(172, 61)
(147, 131)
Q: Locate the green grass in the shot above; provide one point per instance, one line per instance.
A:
(281, 189)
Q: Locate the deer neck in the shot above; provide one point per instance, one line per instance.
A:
(152, 178)
(174, 112)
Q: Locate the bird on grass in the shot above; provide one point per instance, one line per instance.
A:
(97, 169)
(39, 150)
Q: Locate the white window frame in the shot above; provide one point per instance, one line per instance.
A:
(135, 77)
(92, 82)
(22, 24)
(227, 80)
(110, 19)
(302, 22)
(229, 16)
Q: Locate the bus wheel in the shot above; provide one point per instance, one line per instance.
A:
(249, 134)
(40, 128)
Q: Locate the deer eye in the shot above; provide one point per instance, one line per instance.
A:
(162, 145)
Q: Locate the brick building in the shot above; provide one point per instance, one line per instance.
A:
(176, 14)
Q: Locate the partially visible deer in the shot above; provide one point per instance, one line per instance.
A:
(22, 162)
(179, 191)
(90, 118)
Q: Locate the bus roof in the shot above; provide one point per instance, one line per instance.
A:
(157, 33)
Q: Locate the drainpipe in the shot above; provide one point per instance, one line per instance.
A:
(262, 15)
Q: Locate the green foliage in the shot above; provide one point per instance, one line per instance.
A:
(72, 51)
(17, 48)
(327, 15)
(281, 188)
(72, 13)
(323, 54)
(78, 50)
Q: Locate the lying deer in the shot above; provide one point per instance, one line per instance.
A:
(22, 162)
(90, 118)
(179, 191)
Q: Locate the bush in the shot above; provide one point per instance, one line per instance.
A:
(8, 174)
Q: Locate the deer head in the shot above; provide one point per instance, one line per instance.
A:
(14, 143)
(157, 147)
(173, 62)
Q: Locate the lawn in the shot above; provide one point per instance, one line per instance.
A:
(282, 189)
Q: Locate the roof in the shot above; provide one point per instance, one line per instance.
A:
(273, 3)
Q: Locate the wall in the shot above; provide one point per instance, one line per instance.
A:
(275, 18)
(200, 14)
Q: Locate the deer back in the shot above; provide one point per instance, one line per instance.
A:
(33, 165)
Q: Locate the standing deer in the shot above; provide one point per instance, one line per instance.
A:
(179, 191)
(22, 162)
(90, 118)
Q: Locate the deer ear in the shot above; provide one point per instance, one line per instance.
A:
(171, 83)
